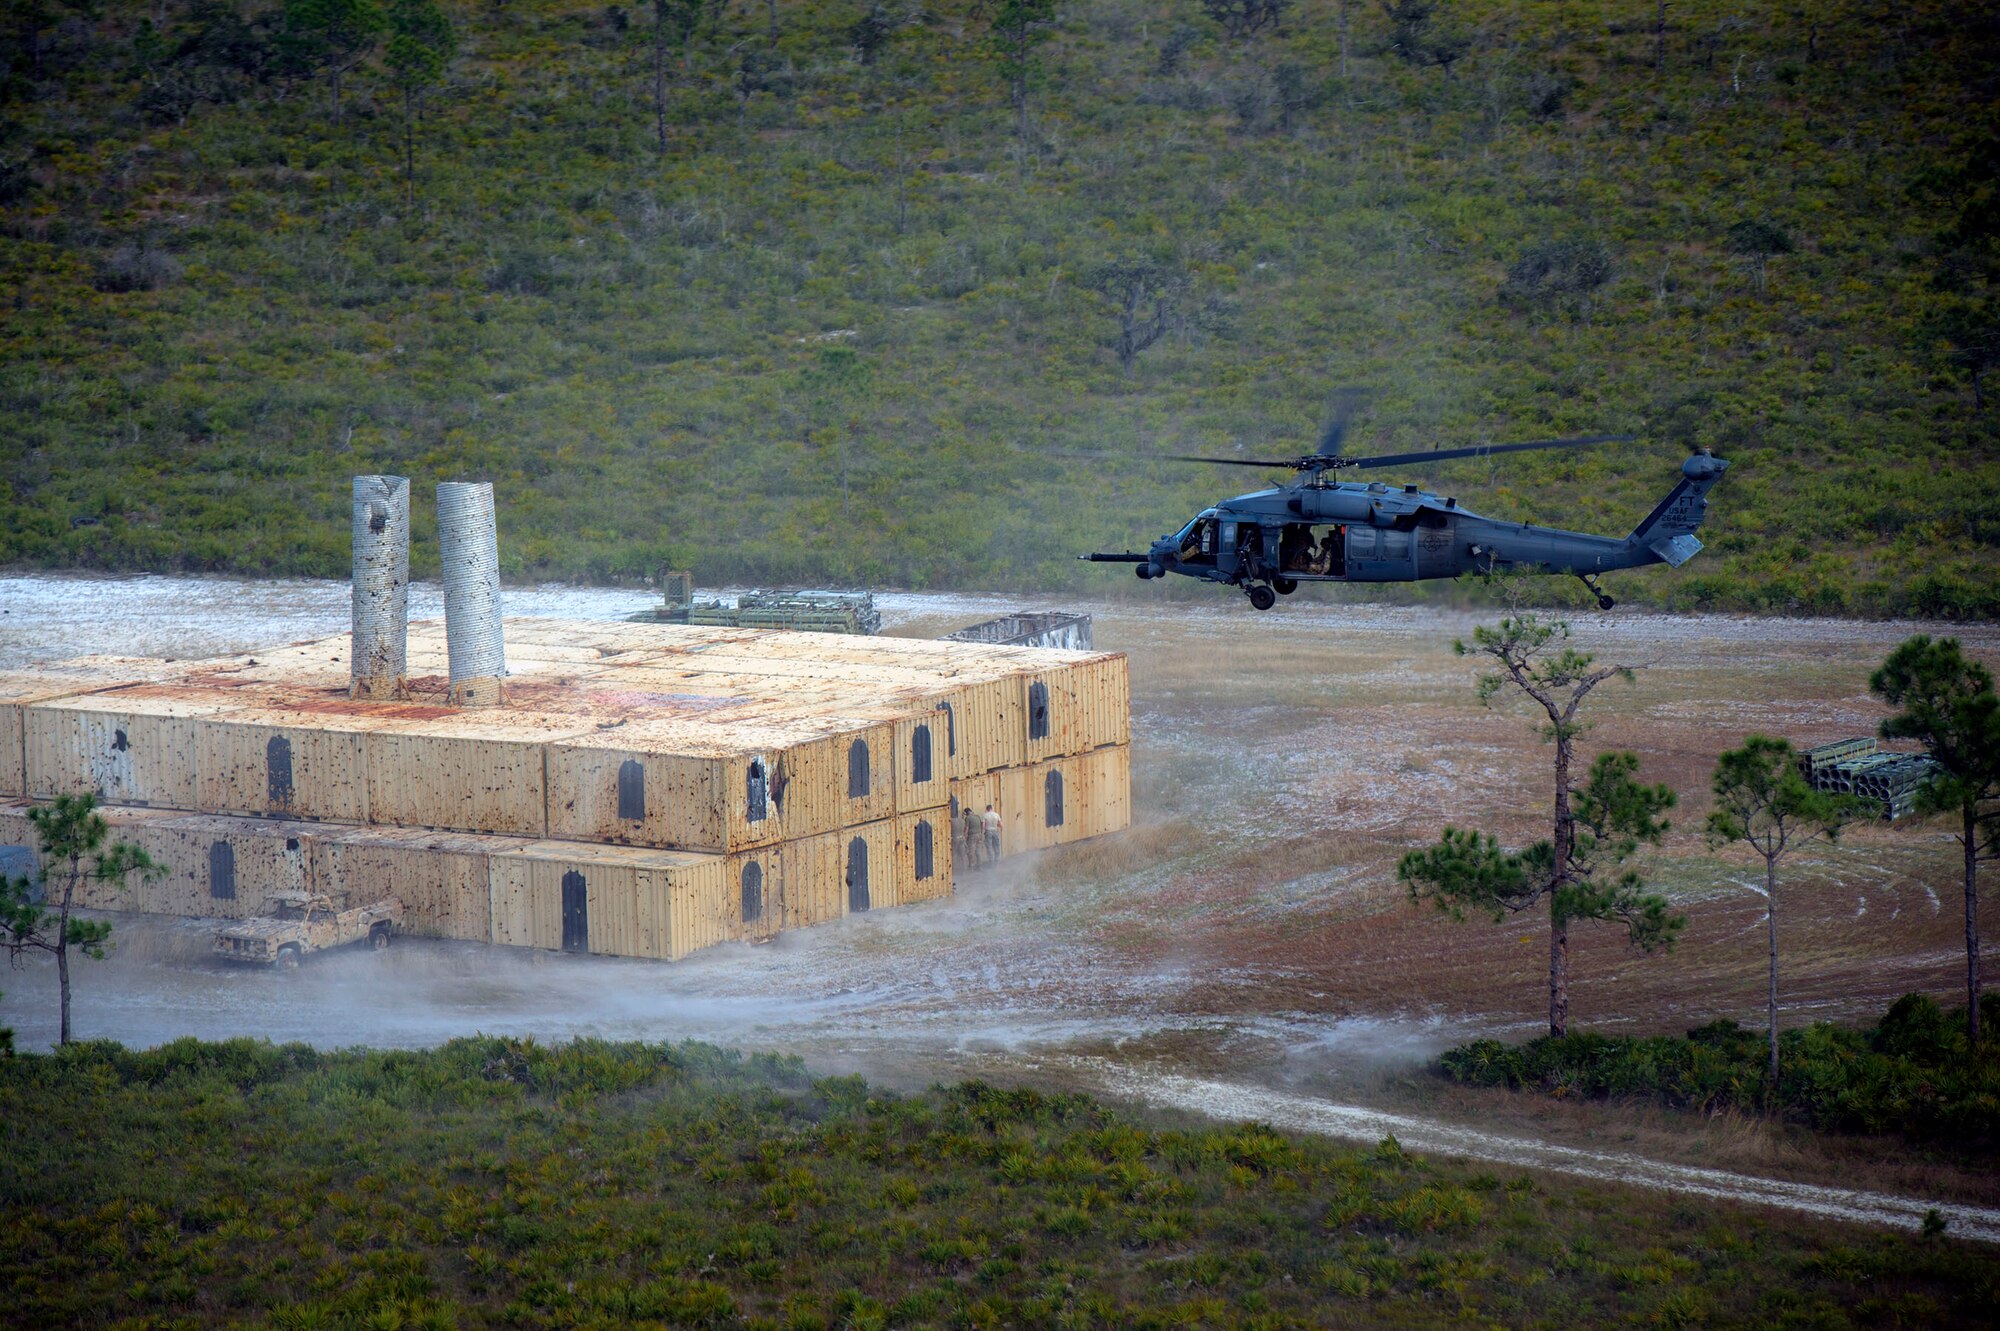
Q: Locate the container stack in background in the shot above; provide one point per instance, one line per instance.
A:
(639, 790)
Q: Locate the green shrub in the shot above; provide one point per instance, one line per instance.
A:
(1912, 1072)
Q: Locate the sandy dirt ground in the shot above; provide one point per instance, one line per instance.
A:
(1247, 934)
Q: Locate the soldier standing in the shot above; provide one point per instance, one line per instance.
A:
(968, 836)
(991, 821)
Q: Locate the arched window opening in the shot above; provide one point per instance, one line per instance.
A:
(632, 791)
(756, 800)
(753, 892)
(924, 850)
(857, 875)
(278, 771)
(920, 754)
(575, 913)
(1038, 710)
(222, 871)
(1052, 800)
(857, 770)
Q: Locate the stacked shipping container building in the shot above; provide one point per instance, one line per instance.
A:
(645, 790)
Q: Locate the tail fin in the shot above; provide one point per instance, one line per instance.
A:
(1668, 530)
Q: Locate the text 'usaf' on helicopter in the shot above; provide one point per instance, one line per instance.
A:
(1316, 529)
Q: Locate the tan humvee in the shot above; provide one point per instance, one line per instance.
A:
(305, 922)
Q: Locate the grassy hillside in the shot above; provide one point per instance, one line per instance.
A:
(833, 329)
(497, 1183)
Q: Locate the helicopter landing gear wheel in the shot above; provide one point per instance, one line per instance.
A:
(1603, 602)
(1284, 586)
(1262, 597)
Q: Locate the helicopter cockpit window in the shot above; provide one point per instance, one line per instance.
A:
(1197, 539)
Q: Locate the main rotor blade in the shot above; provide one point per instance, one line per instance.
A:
(1288, 464)
(1340, 410)
(1485, 450)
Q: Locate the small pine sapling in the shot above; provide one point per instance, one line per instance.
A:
(1765, 802)
(72, 835)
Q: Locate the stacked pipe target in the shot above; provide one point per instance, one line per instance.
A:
(381, 585)
(469, 551)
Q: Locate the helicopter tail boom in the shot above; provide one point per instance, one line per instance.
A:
(1668, 530)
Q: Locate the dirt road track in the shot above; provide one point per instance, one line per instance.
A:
(1300, 1113)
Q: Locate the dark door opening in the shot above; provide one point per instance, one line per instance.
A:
(925, 850)
(857, 770)
(920, 754)
(278, 771)
(1052, 800)
(753, 892)
(857, 875)
(575, 913)
(1038, 710)
(632, 791)
(222, 871)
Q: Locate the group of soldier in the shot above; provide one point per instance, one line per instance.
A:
(975, 837)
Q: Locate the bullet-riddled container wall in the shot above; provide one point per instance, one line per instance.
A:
(133, 745)
(615, 900)
(123, 825)
(923, 856)
(472, 771)
(714, 787)
(758, 879)
(212, 865)
(812, 887)
(15, 692)
(280, 762)
(19, 689)
(868, 866)
(440, 877)
(1056, 802)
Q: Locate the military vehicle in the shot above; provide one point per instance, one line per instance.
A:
(802, 611)
(305, 922)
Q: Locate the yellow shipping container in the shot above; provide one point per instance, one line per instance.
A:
(616, 900)
(813, 887)
(132, 745)
(440, 877)
(924, 856)
(212, 866)
(471, 771)
(759, 878)
(280, 762)
(868, 866)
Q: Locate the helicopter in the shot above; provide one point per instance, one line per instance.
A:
(1319, 529)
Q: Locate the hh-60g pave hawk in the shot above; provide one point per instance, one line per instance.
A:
(1316, 529)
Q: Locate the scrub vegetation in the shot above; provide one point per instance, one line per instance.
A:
(814, 291)
(1913, 1073)
(499, 1182)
